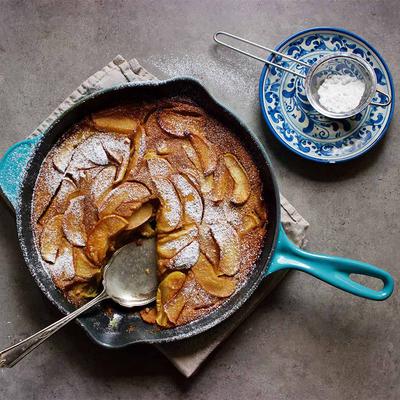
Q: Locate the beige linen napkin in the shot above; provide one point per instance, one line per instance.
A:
(187, 355)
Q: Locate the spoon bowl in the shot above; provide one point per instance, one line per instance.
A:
(129, 280)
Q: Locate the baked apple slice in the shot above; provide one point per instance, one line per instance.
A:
(228, 243)
(114, 121)
(73, 225)
(174, 307)
(51, 238)
(99, 239)
(249, 222)
(179, 125)
(186, 258)
(192, 156)
(158, 166)
(63, 271)
(140, 216)
(124, 199)
(223, 183)
(205, 151)
(92, 149)
(101, 183)
(241, 190)
(59, 203)
(167, 289)
(62, 156)
(170, 244)
(208, 246)
(190, 198)
(139, 150)
(118, 149)
(169, 215)
(212, 283)
(84, 268)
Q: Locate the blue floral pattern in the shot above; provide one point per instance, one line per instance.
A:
(298, 125)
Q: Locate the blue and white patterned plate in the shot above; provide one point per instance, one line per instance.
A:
(297, 125)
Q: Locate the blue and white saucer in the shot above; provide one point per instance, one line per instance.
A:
(297, 125)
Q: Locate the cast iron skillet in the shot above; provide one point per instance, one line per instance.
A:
(278, 252)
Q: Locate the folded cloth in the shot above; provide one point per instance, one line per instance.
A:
(186, 355)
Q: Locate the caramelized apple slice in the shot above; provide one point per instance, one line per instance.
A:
(158, 166)
(62, 156)
(124, 199)
(210, 282)
(59, 202)
(92, 149)
(179, 125)
(51, 238)
(249, 222)
(186, 258)
(84, 268)
(169, 215)
(167, 289)
(170, 244)
(206, 153)
(79, 163)
(63, 270)
(196, 175)
(208, 246)
(229, 248)
(192, 156)
(190, 198)
(73, 226)
(174, 307)
(119, 149)
(140, 216)
(241, 190)
(102, 183)
(98, 241)
(114, 121)
(139, 149)
(222, 184)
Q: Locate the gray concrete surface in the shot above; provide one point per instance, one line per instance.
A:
(309, 341)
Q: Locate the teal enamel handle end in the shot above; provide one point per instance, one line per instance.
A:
(12, 168)
(333, 270)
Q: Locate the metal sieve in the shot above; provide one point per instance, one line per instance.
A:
(338, 63)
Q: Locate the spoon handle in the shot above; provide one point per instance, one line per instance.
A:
(15, 353)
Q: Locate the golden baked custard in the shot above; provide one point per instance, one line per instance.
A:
(165, 169)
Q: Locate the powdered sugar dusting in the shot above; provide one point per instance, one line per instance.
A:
(103, 181)
(64, 264)
(159, 167)
(171, 209)
(188, 257)
(192, 203)
(178, 244)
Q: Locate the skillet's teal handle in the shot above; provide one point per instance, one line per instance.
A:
(12, 168)
(333, 270)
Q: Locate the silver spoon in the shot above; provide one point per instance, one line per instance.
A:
(129, 278)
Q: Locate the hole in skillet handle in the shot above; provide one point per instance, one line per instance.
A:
(336, 271)
(368, 281)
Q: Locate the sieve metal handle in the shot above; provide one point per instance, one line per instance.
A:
(389, 99)
(221, 33)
